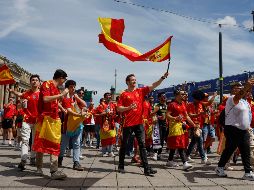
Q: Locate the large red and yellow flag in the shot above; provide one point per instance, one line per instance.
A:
(111, 37)
(5, 75)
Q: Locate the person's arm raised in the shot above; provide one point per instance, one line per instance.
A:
(158, 82)
(243, 91)
(19, 94)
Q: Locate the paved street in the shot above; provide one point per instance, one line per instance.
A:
(100, 173)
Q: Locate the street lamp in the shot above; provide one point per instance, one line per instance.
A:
(220, 65)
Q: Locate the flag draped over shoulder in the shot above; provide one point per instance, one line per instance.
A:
(111, 37)
(5, 75)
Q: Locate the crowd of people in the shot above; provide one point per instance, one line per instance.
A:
(52, 117)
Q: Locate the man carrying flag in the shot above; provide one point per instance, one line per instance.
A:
(48, 128)
(131, 105)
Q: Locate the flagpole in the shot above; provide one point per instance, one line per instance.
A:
(168, 64)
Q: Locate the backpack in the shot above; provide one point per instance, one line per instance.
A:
(222, 118)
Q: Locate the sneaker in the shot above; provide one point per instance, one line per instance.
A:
(228, 167)
(81, 157)
(121, 170)
(155, 157)
(248, 176)
(58, 175)
(32, 162)
(220, 172)
(172, 164)
(3, 143)
(159, 157)
(206, 162)
(105, 154)
(186, 166)
(190, 160)
(111, 154)
(150, 171)
(10, 145)
(77, 166)
(22, 165)
(39, 172)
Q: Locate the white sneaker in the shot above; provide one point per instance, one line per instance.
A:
(155, 156)
(172, 164)
(228, 167)
(220, 172)
(105, 155)
(81, 157)
(190, 160)
(187, 166)
(111, 154)
(248, 176)
(206, 162)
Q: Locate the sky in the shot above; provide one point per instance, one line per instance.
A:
(44, 35)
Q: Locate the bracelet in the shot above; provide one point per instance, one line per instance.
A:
(163, 77)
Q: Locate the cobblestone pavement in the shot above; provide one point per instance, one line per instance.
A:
(100, 173)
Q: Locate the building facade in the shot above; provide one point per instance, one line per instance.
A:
(20, 75)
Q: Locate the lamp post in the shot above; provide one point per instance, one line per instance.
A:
(113, 91)
(252, 30)
(115, 79)
(220, 65)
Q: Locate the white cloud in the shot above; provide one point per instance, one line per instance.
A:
(227, 21)
(248, 23)
(15, 16)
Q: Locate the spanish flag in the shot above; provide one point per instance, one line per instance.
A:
(47, 136)
(5, 75)
(111, 37)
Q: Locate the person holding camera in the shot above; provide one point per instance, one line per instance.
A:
(177, 117)
(196, 112)
(236, 130)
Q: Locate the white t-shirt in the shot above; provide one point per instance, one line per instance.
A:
(238, 116)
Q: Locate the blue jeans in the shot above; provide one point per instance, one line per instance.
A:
(106, 149)
(208, 130)
(199, 141)
(117, 127)
(75, 141)
(97, 134)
